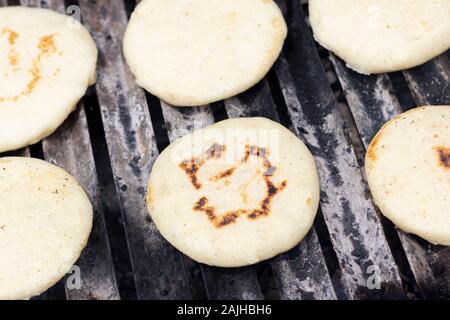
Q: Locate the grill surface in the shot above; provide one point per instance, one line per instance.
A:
(110, 143)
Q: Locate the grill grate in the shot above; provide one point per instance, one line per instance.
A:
(112, 139)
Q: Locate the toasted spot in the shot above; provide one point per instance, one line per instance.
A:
(46, 44)
(150, 195)
(231, 18)
(12, 35)
(244, 197)
(5, 161)
(46, 47)
(13, 58)
(371, 151)
(276, 23)
(443, 156)
(309, 202)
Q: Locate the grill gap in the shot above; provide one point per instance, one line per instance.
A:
(36, 151)
(195, 278)
(402, 91)
(267, 281)
(129, 7)
(278, 99)
(219, 112)
(158, 122)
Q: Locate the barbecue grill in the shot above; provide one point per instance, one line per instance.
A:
(111, 141)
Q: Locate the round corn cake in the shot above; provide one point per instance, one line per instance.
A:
(47, 61)
(376, 36)
(194, 52)
(45, 222)
(235, 193)
(408, 170)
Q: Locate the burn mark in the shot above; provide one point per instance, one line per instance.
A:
(265, 208)
(444, 157)
(218, 222)
(223, 174)
(46, 48)
(191, 167)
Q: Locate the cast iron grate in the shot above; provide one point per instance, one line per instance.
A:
(112, 139)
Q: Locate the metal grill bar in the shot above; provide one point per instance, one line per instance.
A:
(354, 226)
(157, 266)
(372, 102)
(430, 82)
(70, 148)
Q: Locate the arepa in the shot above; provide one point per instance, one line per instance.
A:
(376, 36)
(45, 222)
(408, 170)
(235, 193)
(47, 61)
(194, 52)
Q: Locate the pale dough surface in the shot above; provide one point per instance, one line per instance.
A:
(256, 196)
(408, 169)
(194, 52)
(45, 222)
(47, 61)
(376, 36)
